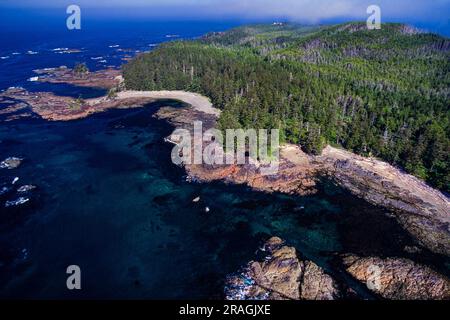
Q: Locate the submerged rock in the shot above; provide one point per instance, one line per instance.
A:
(4, 190)
(11, 163)
(281, 276)
(412, 249)
(398, 278)
(17, 202)
(26, 188)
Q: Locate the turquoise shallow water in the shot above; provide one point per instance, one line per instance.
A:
(110, 201)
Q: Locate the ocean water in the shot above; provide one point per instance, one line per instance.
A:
(109, 200)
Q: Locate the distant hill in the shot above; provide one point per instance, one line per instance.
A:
(376, 92)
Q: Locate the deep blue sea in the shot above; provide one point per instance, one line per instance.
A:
(109, 200)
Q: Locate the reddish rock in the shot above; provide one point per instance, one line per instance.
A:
(399, 279)
(281, 276)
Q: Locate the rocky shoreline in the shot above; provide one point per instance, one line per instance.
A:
(52, 107)
(283, 275)
(419, 209)
(107, 78)
(423, 211)
(58, 108)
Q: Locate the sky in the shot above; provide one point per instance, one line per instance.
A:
(428, 14)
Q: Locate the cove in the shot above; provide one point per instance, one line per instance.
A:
(110, 201)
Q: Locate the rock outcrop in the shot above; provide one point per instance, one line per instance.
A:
(282, 275)
(26, 188)
(423, 211)
(11, 163)
(398, 279)
(107, 78)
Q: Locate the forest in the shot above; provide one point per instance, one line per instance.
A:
(382, 93)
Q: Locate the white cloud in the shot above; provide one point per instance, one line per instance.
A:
(300, 10)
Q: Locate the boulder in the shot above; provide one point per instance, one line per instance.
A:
(10, 163)
(26, 188)
(398, 278)
(281, 276)
(17, 202)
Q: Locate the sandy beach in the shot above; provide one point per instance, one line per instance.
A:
(197, 101)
